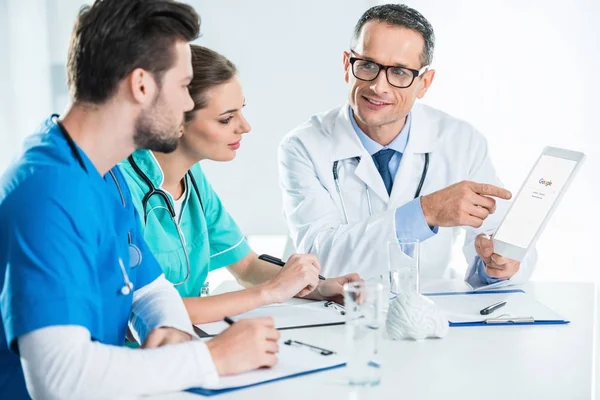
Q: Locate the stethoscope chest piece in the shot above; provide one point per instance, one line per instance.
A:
(126, 289)
(135, 256)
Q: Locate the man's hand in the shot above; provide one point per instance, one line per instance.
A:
(299, 277)
(163, 336)
(246, 345)
(496, 266)
(333, 288)
(462, 204)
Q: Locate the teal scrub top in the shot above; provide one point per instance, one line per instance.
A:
(212, 238)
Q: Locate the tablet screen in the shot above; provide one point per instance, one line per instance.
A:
(535, 200)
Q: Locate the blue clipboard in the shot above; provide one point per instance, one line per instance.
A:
(213, 392)
(518, 321)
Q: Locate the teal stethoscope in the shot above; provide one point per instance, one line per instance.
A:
(135, 255)
(336, 180)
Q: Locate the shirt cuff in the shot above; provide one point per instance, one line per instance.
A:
(483, 276)
(158, 305)
(411, 223)
(206, 365)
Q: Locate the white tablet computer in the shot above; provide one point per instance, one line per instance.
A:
(535, 202)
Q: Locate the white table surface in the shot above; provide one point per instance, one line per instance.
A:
(488, 362)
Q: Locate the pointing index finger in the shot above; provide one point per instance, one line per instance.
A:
(486, 189)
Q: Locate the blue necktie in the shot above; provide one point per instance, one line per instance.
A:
(382, 162)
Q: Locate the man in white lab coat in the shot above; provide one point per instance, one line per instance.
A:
(381, 168)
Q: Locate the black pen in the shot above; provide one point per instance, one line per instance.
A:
(278, 261)
(229, 320)
(492, 308)
(322, 351)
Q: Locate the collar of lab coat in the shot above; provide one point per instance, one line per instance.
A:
(345, 144)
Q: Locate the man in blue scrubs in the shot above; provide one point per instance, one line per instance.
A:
(74, 269)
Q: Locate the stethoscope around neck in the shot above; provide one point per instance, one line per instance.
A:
(154, 191)
(336, 180)
(135, 255)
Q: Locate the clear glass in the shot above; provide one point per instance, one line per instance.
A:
(403, 267)
(364, 326)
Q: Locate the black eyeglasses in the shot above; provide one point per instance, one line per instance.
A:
(399, 77)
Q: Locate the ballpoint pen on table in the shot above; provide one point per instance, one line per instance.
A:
(490, 309)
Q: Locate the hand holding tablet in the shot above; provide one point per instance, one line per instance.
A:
(535, 202)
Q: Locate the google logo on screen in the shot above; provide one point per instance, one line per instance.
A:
(545, 183)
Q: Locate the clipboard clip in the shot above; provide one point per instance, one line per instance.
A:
(508, 319)
(336, 307)
(320, 350)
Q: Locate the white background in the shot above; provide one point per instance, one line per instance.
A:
(525, 73)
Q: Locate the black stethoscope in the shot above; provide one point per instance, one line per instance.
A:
(336, 180)
(154, 191)
(135, 255)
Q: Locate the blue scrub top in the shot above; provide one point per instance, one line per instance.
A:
(62, 233)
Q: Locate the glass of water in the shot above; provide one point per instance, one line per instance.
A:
(364, 322)
(404, 266)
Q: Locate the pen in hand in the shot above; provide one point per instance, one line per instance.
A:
(492, 308)
(278, 261)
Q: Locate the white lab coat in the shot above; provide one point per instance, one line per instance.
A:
(313, 209)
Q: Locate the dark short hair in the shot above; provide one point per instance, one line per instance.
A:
(113, 37)
(210, 69)
(405, 17)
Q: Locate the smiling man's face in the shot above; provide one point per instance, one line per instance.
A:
(376, 103)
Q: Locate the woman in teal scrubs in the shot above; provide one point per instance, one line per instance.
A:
(184, 210)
